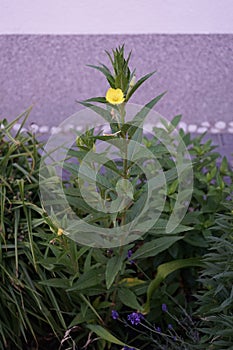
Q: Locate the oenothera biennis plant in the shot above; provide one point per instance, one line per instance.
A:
(120, 197)
(124, 181)
(130, 168)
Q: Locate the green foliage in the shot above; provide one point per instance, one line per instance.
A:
(121, 77)
(216, 298)
(55, 293)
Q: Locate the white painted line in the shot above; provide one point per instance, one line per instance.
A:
(55, 130)
(34, 128)
(206, 124)
(201, 130)
(220, 125)
(44, 129)
(192, 127)
(214, 131)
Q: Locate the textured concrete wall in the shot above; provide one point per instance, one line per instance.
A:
(49, 72)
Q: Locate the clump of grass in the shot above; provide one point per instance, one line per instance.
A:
(23, 305)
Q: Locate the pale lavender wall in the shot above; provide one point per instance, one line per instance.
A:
(49, 71)
(115, 17)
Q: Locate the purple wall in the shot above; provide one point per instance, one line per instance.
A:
(49, 71)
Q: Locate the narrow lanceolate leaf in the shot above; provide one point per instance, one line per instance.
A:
(102, 112)
(28, 215)
(113, 267)
(104, 334)
(160, 228)
(96, 99)
(137, 84)
(155, 247)
(146, 109)
(175, 121)
(89, 279)
(166, 269)
(106, 72)
(25, 116)
(111, 60)
(128, 298)
(140, 117)
(56, 283)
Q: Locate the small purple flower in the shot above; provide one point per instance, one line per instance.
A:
(164, 308)
(169, 326)
(135, 318)
(115, 314)
(158, 329)
(129, 254)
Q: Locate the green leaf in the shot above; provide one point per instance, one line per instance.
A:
(56, 283)
(72, 168)
(128, 298)
(97, 99)
(173, 187)
(137, 84)
(87, 264)
(196, 239)
(113, 267)
(140, 117)
(110, 57)
(106, 72)
(87, 173)
(87, 302)
(89, 279)
(102, 112)
(166, 269)
(224, 167)
(104, 334)
(121, 82)
(81, 319)
(160, 228)
(155, 247)
(175, 121)
(10, 125)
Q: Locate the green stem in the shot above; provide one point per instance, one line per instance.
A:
(122, 113)
(123, 215)
(125, 155)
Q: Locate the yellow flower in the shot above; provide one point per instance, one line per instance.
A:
(60, 232)
(115, 96)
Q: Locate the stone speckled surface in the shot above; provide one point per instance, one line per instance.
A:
(49, 72)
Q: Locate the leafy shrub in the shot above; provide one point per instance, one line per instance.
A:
(216, 298)
(54, 292)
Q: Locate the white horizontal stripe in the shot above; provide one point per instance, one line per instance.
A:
(192, 128)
